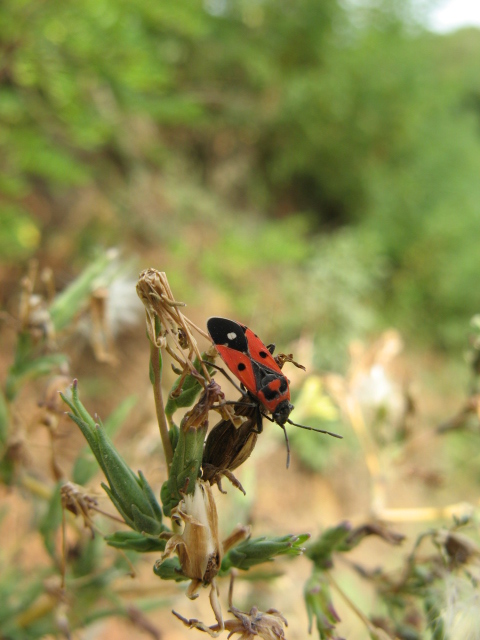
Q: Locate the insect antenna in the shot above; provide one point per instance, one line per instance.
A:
(328, 433)
(287, 443)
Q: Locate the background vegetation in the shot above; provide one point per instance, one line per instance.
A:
(308, 167)
(280, 138)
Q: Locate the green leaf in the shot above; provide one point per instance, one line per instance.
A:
(320, 607)
(50, 522)
(71, 300)
(135, 541)
(19, 233)
(169, 569)
(264, 549)
(85, 466)
(190, 389)
(4, 420)
(25, 369)
(185, 467)
(329, 541)
(131, 495)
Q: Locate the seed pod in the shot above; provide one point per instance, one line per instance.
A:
(198, 547)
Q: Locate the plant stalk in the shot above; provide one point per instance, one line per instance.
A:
(159, 405)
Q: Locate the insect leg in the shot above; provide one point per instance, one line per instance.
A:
(215, 366)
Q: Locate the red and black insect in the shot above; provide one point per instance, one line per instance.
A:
(254, 365)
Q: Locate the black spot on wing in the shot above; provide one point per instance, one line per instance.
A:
(225, 332)
(270, 394)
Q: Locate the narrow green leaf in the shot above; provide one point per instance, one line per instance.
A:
(185, 468)
(26, 370)
(71, 300)
(150, 496)
(191, 387)
(144, 523)
(135, 541)
(263, 549)
(85, 466)
(123, 482)
(118, 505)
(169, 570)
(50, 522)
(328, 542)
(4, 419)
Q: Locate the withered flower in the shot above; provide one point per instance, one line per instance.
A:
(155, 293)
(256, 624)
(268, 625)
(75, 500)
(198, 547)
(459, 549)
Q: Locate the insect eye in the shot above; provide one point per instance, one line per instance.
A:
(262, 354)
(241, 367)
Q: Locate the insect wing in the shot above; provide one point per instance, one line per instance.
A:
(259, 352)
(250, 361)
(232, 345)
(240, 365)
(228, 333)
(272, 385)
(227, 446)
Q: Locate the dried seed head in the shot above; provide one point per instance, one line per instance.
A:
(257, 624)
(51, 398)
(461, 607)
(458, 547)
(198, 547)
(75, 500)
(155, 293)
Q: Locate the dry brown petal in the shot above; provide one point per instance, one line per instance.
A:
(256, 624)
(75, 500)
(459, 548)
(198, 547)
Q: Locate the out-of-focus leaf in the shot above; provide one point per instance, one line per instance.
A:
(74, 297)
(135, 541)
(19, 233)
(255, 551)
(50, 522)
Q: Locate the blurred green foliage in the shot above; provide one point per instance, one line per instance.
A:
(352, 128)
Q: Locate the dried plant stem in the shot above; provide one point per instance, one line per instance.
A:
(41, 607)
(377, 477)
(159, 406)
(427, 514)
(368, 624)
(160, 306)
(36, 487)
(63, 558)
(108, 515)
